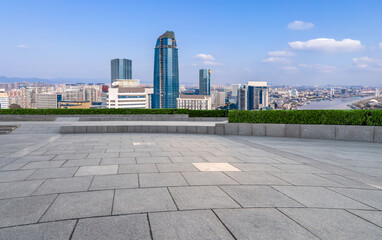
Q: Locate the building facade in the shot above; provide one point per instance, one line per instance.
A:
(129, 97)
(205, 82)
(121, 68)
(4, 99)
(253, 96)
(166, 72)
(46, 100)
(195, 102)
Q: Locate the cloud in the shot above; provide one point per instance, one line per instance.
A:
(380, 45)
(281, 54)
(319, 67)
(300, 25)
(367, 63)
(327, 45)
(207, 57)
(22, 46)
(290, 68)
(276, 60)
(211, 63)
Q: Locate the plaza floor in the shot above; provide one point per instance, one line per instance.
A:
(175, 186)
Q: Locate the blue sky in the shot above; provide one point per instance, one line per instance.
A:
(282, 42)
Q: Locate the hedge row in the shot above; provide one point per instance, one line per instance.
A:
(192, 113)
(327, 117)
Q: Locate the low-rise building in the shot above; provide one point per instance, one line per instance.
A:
(4, 99)
(74, 104)
(127, 94)
(194, 102)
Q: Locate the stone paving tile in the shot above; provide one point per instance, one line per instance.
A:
(18, 211)
(18, 189)
(196, 154)
(138, 168)
(215, 167)
(116, 227)
(35, 158)
(161, 180)
(261, 224)
(72, 156)
(253, 159)
(82, 162)
(261, 178)
(305, 179)
(103, 155)
(134, 154)
(194, 159)
(256, 167)
(80, 205)
(345, 181)
(208, 178)
(60, 230)
(176, 167)
(111, 161)
(334, 224)
(53, 173)
(142, 200)
(114, 181)
(187, 225)
(259, 196)
(201, 197)
(43, 164)
(372, 216)
(13, 166)
(11, 176)
(221, 159)
(165, 154)
(64, 185)
(120, 150)
(97, 170)
(320, 197)
(298, 168)
(372, 198)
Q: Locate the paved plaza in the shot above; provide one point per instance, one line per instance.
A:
(178, 186)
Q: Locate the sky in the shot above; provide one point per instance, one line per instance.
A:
(294, 42)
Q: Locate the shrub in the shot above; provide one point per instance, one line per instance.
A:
(208, 113)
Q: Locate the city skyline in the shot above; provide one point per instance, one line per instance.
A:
(289, 43)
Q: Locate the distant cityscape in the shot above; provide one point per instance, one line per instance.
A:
(124, 91)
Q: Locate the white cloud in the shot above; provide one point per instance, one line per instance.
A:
(211, 63)
(290, 68)
(327, 45)
(380, 45)
(300, 25)
(207, 57)
(276, 60)
(367, 63)
(319, 67)
(22, 46)
(281, 54)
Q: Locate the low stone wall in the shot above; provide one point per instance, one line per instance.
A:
(327, 132)
(14, 118)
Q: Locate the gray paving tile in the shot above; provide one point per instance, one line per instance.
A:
(60, 230)
(256, 167)
(259, 196)
(196, 154)
(80, 205)
(44, 164)
(82, 162)
(116, 227)
(176, 167)
(320, 197)
(97, 170)
(208, 178)
(64, 185)
(261, 178)
(35, 158)
(372, 216)
(191, 159)
(72, 156)
(261, 224)
(18, 189)
(161, 180)
(141, 160)
(138, 168)
(187, 225)
(165, 154)
(53, 173)
(257, 159)
(134, 154)
(11, 176)
(13, 166)
(114, 181)
(221, 159)
(369, 197)
(201, 197)
(305, 179)
(18, 211)
(103, 155)
(142, 200)
(298, 168)
(334, 224)
(345, 181)
(111, 161)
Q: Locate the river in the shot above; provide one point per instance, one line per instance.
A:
(337, 103)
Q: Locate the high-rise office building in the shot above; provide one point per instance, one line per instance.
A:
(253, 96)
(4, 99)
(121, 69)
(166, 73)
(204, 82)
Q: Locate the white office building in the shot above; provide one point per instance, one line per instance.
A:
(194, 102)
(129, 97)
(4, 99)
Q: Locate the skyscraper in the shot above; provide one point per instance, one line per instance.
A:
(121, 69)
(253, 96)
(204, 82)
(166, 73)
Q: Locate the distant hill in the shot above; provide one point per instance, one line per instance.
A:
(4, 79)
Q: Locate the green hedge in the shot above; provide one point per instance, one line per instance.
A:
(328, 117)
(208, 113)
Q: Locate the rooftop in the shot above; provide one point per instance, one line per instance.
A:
(177, 186)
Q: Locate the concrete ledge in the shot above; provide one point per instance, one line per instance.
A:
(10, 118)
(327, 132)
(293, 130)
(245, 129)
(275, 130)
(231, 128)
(377, 134)
(355, 133)
(258, 129)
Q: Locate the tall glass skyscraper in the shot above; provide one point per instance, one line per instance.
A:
(204, 82)
(121, 69)
(166, 72)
